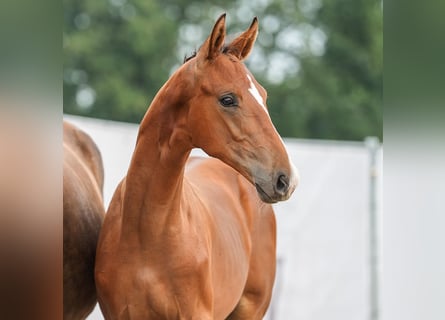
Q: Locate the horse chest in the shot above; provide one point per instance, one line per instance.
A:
(185, 272)
(174, 286)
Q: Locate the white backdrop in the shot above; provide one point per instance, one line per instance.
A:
(323, 247)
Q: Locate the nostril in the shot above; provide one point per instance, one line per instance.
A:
(282, 184)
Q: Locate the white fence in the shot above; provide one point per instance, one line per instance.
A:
(326, 268)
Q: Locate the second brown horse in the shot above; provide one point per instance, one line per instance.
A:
(83, 212)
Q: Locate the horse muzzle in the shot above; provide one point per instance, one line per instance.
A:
(279, 188)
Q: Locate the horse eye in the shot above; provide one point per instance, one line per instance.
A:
(228, 100)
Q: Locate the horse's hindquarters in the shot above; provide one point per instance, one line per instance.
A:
(83, 213)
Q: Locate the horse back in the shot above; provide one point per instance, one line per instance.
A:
(85, 150)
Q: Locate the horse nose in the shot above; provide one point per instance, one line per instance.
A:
(282, 184)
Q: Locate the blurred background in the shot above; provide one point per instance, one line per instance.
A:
(321, 63)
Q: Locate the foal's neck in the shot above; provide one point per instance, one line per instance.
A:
(154, 180)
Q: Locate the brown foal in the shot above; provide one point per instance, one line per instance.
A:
(195, 239)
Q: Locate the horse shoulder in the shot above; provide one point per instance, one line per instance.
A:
(109, 238)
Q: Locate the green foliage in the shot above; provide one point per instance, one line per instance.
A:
(321, 62)
(123, 51)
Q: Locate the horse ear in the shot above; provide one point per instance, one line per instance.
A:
(241, 46)
(214, 43)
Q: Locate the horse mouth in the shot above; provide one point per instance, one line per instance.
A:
(263, 195)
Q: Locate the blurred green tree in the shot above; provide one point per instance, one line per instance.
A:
(117, 54)
(321, 62)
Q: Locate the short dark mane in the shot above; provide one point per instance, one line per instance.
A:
(187, 58)
(194, 53)
(225, 49)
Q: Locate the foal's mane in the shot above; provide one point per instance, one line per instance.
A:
(195, 52)
(191, 56)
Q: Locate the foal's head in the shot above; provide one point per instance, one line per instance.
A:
(228, 117)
